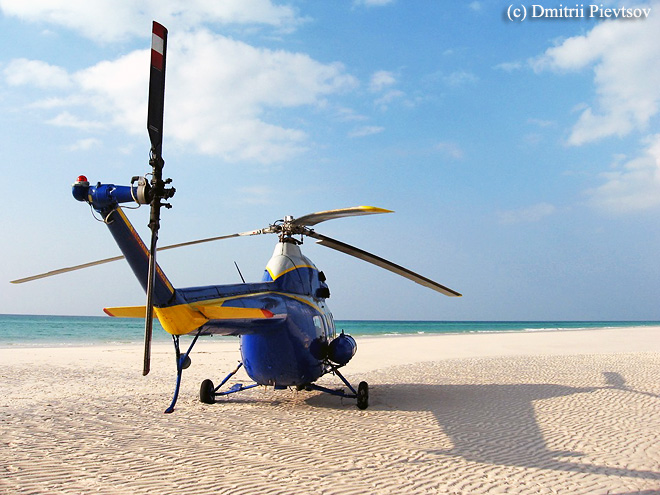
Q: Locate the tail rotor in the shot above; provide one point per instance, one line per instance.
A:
(157, 190)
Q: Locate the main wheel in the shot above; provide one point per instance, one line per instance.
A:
(363, 395)
(207, 392)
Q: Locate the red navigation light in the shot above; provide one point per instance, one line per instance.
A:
(80, 188)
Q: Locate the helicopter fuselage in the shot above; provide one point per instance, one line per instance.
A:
(291, 347)
(287, 333)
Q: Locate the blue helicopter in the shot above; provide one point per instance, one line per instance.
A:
(287, 333)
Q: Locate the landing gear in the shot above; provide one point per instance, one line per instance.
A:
(363, 395)
(182, 363)
(208, 393)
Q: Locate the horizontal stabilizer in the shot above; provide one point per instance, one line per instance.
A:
(210, 312)
(126, 311)
(183, 319)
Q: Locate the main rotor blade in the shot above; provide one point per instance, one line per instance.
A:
(117, 258)
(382, 263)
(322, 216)
(65, 270)
(211, 239)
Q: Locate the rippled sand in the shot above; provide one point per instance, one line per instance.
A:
(557, 412)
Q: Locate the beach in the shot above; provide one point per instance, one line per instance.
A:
(574, 412)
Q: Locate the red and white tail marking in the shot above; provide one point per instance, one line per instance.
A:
(158, 46)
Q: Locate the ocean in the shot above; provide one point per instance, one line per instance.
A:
(49, 331)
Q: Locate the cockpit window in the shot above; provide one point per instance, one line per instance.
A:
(318, 323)
(331, 332)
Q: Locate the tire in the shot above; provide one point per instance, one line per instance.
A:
(207, 392)
(363, 395)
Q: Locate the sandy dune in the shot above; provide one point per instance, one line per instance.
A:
(550, 412)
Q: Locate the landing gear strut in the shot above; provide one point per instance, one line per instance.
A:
(361, 394)
(208, 393)
(182, 363)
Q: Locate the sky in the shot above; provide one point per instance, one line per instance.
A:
(521, 155)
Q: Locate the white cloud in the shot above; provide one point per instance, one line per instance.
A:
(528, 214)
(349, 115)
(65, 119)
(220, 107)
(388, 97)
(541, 122)
(380, 80)
(20, 72)
(509, 66)
(460, 78)
(117, 90)
(373, 3)
(256, 195)
(111, 20)
(451, 150)
(366, 131)
(382, 83)
(218, 92)
(625, 57)
(631, 186)
(85, 144)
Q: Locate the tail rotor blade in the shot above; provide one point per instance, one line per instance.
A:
(157, 87)
(149, 317)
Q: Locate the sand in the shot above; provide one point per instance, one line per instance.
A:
(573, 412)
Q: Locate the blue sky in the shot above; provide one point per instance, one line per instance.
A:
(522, 158)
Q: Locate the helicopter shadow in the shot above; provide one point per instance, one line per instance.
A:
(618, 382)
(496, 423)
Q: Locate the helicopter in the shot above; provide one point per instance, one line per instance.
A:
(288, 337)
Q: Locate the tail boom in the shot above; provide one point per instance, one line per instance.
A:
(105, 199)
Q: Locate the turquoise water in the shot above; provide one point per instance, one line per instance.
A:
(42, 331)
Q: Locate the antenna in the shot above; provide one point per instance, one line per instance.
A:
(239, 271)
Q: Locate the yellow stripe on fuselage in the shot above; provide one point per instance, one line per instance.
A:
(275, 277)
(213, 312)
(300, 298)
